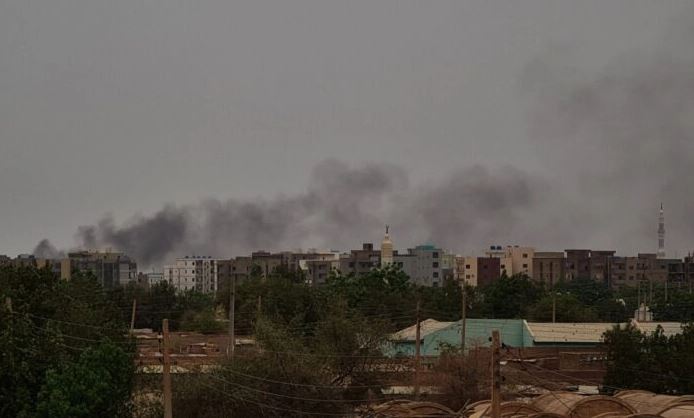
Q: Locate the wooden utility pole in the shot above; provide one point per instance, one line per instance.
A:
(463, 320)
(168, 411)
(496, 375)
(232, 309)
(132, 317)
(417, 353)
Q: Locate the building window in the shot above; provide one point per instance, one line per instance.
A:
(467, 276)
(435, 275)
(525, 266)
(435, 255)
(525, 255)
(435, 265)
(467, 266)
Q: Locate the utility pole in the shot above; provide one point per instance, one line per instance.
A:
(463, 320)
(554, 306)
(496, 376)
(168, 411)
(232, 309)
(132, 317)
(650, 291)
(417, 353)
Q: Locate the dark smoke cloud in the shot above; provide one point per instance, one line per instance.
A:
(621, 141)
(612, 144)
(44, 249)
(341, 207)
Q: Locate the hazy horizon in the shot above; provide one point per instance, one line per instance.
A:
(164, 129)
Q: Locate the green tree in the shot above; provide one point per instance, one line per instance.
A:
(652, 362)
(97, 384)
(509, 297)
(45, 325)
(568, 309)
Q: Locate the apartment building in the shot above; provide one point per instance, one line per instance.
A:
(548, 267)
(360, 261)
(193, 273)
(111, 268)
(425, 265)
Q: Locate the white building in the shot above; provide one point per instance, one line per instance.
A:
(193, 273)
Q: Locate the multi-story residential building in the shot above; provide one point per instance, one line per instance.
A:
(480, 271)
(469, 270)
(488, 270)
(577, 264)
(319, 269)
(360, 261)
(193, 273)
(600, 262)
(150, 279)
(110, 268)
(630, 271)
(423, 264)
(548, 267)
(238, 269)
(505, 261)
(521, 260)
(513, 259)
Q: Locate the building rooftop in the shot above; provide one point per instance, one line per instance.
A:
(548, 332)
(427, 327)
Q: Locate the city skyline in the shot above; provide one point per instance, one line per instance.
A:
(243, 128)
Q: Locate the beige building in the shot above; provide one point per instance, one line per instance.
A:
(193, 273)
(521, 260)
(469, 270)
(513, 259)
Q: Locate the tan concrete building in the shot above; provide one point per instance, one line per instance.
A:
(521, 260)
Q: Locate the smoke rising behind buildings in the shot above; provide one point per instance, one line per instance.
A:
(614, 144)
(243, 125)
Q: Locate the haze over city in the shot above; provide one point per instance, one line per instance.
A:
(163, 129)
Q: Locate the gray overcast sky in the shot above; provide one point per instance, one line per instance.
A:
(121, 107)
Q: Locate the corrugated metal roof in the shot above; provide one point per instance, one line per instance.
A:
(548, 332)
(669, 328)
(427, 327)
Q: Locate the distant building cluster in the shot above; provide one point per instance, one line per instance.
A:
(425, 265)
(429, 265)
(110, 268)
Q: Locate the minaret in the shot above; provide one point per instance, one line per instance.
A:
(386, 250)
(661, 233)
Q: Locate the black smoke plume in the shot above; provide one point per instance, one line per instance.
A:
(341, 207)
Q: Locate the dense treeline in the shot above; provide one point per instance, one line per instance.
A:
(66, 351)
(64, 348)
(655, 362)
